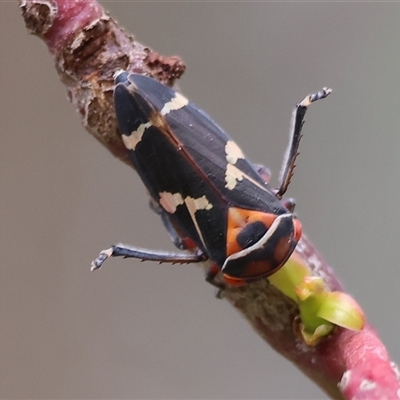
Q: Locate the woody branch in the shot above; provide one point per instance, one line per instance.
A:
(88, 46)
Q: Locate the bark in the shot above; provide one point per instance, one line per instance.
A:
(88, 47)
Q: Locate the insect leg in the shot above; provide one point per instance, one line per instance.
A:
(210, 278)
(295, 135)
(289, 203)
(263, 171)
(124, 251)
(177, 240)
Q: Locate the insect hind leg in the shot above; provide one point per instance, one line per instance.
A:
(295, 135)
(121, 250)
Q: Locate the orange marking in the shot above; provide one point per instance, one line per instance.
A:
(298, 230)
(282, 249)
(231, 281)
(238, 218)
(189, 244)
(257, 269)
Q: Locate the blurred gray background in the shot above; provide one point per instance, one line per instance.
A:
(140, 330)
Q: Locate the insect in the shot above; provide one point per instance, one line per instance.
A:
(211, 198)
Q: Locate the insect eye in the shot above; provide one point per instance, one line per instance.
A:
(251, 234)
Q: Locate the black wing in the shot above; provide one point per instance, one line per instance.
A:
(187, 162)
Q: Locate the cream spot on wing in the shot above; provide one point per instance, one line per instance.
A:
(233, 152)
(170, 201)
(232, 176)
(176, 103)
(200, 203)
(135, 137)
(194, 205)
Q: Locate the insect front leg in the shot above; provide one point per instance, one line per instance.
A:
(121, 250)
(295, 135)
(211, 274)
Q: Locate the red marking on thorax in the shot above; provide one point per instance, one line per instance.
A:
(238, 218)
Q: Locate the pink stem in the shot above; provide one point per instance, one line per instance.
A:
(88, 47)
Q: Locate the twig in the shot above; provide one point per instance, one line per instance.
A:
(88, 47)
